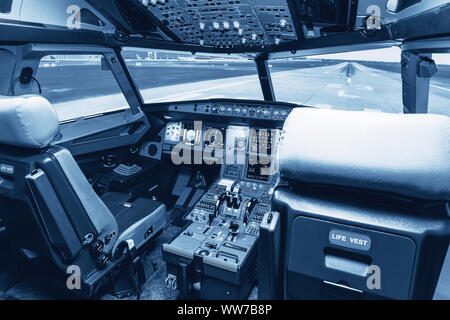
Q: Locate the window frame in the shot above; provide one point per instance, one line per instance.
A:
(112, 59)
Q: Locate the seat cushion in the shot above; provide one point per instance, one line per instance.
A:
(137, 219)
(127, 213)
(27, 121)
(404, 154)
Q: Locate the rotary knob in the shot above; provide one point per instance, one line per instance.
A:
(190, 136)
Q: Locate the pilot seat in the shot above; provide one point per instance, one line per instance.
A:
(51, 212)
(362, 207)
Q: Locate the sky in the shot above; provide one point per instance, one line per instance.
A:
(387, 55)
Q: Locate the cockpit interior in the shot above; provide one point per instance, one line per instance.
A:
(222, 149)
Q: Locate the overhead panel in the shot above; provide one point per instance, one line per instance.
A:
(226, 23)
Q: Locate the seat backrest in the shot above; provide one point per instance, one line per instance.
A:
(362, 190)
(47, 181)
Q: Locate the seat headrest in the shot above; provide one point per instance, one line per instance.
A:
(27, 121)
(404, 154)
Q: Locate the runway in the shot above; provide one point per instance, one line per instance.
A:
(356, 86)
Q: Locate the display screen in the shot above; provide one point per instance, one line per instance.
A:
(262, 143)
(258, 171)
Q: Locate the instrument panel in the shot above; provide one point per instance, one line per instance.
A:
(244, 152)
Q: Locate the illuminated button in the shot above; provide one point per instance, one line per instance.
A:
(202, 42)
(283, 23)
(236, 24)
(226, 25)
(240, 32)
(153, 2)
(216, 25)
(243, 40)
(144, 2)
(202, 26)
(254, 36)
(277, 41)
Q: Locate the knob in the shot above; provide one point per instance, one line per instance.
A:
(190, 135)
(237, 201)
(234, 228)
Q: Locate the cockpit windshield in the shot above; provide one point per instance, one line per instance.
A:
(164, 76)
(361, 81)
(357, 81)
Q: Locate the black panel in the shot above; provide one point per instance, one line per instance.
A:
(6, 6)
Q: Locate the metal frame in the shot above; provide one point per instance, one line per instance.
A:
(265, 80)
(417, 71)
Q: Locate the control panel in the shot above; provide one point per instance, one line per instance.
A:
(226, 23)
(221, 238)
